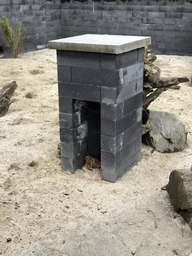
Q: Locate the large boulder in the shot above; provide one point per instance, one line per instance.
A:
(167, 132)
(180, 192)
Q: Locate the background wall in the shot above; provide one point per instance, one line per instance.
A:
(41, 18)
(168, 23)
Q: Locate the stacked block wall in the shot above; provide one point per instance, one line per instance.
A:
(169, 23)
(41, 19)
(114, 81)
(121, 114)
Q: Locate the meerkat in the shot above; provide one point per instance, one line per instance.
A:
(92, 163)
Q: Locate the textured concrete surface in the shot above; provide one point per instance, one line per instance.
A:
(114, 44)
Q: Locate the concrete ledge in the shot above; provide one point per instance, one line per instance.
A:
(112, 44)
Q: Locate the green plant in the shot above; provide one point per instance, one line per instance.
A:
(13, 39)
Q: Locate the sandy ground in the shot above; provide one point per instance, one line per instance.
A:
(46, 211)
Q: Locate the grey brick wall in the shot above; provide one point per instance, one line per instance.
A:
(41, 18)
(168, 23)
(111, 89)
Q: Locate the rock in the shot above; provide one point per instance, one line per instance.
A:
(180, 192)
(167, 132)
(9, 240)
(32, 164)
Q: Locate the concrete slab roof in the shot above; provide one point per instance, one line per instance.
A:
(112, 44)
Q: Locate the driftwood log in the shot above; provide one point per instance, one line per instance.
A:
(154, 85)
(5, 97)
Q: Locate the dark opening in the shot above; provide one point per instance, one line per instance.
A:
(145, 116)
(94, 130)
(1, 51)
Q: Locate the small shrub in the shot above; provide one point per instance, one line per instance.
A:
(13, 39)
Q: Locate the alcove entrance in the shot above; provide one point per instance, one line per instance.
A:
(94, 130)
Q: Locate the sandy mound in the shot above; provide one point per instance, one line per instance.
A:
(47, 211)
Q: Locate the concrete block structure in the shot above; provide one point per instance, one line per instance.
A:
(100, 80)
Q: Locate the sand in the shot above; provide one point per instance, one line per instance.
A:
(47, 211)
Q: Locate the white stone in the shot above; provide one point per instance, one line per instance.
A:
(113, 44)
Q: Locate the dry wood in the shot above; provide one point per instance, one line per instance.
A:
(167, 82)
(146, 128)
(153, 96)
(154, 85)
(175, 87)
(151, 57)
(5, 97)
(17, 225)
(151, 73)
